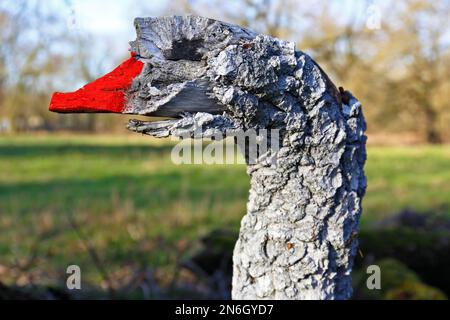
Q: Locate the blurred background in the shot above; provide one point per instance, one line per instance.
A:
(80, 189)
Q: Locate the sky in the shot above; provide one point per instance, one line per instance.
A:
(113, 22)
(115, 19)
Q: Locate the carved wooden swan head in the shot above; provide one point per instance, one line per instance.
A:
(215, 79)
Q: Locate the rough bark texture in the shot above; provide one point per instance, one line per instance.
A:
(298, 238)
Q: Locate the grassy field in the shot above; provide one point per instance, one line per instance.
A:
(120, 202)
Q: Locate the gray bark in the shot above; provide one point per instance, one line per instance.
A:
(298, 238)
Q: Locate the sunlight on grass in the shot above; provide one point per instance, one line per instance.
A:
(135, 206)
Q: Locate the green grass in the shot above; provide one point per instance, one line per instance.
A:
(414, 177)
(135, 207)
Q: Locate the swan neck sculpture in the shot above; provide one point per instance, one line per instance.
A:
(299, 236)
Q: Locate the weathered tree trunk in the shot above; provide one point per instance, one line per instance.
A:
(297, 240)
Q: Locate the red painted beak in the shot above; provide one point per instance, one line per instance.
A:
(106, 94)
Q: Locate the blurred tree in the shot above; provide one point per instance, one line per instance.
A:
(27, 61)
(416, 64)
(399, 67)
(400, 71)
(39, 55)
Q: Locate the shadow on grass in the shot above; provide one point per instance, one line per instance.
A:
(45, 149)
(156, 189)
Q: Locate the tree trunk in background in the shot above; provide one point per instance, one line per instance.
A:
(432, 134)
